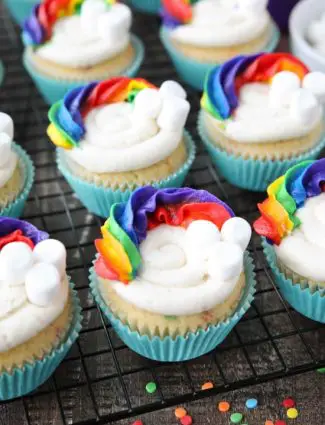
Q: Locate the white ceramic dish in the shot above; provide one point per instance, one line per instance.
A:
(301, 16)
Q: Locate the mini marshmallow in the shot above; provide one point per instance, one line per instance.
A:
(6, 125)
(200, 236)
(172, 88)
(237, 230)
(304, 106)
(315, 82)
(51, 251)
(225, 261)
(42, 284)
(5, 149)
(252, 6)
(148, 103)
(115, 23)
(90, 12)
(282, 87)
(16, 259)
(174, 114)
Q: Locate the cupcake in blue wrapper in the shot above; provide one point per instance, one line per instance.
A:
(121, 134)
(20, 9)
(40, 312)
(172, 274)
(16, 171)
(292, 224)
(146, 6)
(260, 115)
(69, 43)
(203, 34)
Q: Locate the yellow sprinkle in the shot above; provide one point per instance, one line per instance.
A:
(292, 413)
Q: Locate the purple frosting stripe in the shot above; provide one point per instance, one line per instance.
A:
(9, 225)
(32, 27)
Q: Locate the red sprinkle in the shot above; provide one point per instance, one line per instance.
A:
(288, 403)
(138, 422)
(186, 420)
(280, 423)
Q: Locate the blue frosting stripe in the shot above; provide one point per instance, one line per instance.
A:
(216, 94)
(313, 177)
(33, 32)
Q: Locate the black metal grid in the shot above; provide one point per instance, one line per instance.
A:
(102, 380)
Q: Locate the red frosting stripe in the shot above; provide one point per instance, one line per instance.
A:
(16, 236)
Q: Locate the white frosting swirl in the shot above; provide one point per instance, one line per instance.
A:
(266, 116)
(8, 158)
(220, 23)
(303, 251)
(124, 137)
(33, 291)
(187, 271)
(316, 34)
(84, 41)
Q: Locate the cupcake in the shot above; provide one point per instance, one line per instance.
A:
(292, 224)
(40, 312)
(207, 33)
(20, 9)
(172, 274)
(16, 171)
(120, 134)
(260, 115)
(70, 43)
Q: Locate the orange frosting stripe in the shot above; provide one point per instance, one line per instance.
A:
(274, 212)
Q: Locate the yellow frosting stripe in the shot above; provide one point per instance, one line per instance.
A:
(57, 137)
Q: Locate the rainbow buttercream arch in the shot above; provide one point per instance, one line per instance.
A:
(222, 85)
(67, 115)
(38, 26)
(146, 209)
(287, 194)
(176, 12)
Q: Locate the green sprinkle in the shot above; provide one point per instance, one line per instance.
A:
(321, 370)
(236, 418)
(151, 387)
(171, 317)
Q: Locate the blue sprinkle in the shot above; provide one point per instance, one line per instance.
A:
(251, 403)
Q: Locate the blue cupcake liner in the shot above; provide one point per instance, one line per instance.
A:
(23, 380)
(99, 199)
(147, 6)
(53, 89)
(181, 348)
(309, 302)
(15, 209)
(20, 9)
(251, 174)
(194, 72)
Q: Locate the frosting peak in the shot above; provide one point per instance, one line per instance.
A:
(8, 159)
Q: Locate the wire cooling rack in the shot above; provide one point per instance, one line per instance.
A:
(102, 380)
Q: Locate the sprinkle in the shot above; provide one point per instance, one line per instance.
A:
(236, 418)
(207, 386)
(251, 403)
(223, 406)
(280, 423)
(321, 370)
(268, 422)
(138, 422)
(288, 402)
(151, 387)
(186, 420)
(180, 412)
(292, 413)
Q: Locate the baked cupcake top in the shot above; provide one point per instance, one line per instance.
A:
(264, 97)
(34, 288)
(172, 251)
(8, 158)
(316, 34)
(120, 124)
(78, 33)
(293, 218)
(215, 23)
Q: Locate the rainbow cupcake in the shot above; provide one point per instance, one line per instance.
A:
(20, 9)
(260, 115)
(16, 171)
(292, 224)
(199, 35)
(40, 312)
(172, 274)
(120, 134)
(72, 42)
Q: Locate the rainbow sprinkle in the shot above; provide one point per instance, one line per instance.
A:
(285, 195)
(220, 96)
(67, 115)
(37, 28)
(146, 209)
